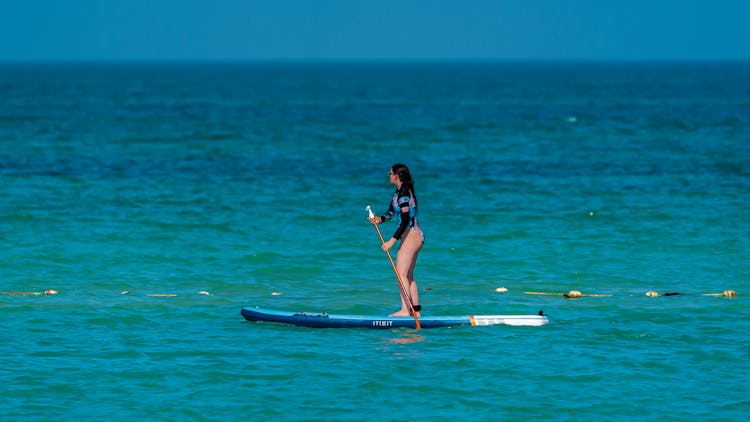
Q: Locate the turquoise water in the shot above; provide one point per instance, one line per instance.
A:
(249, 181)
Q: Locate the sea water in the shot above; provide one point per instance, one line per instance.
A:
(224, 185)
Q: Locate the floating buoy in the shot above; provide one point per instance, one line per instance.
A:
(573, 294)
(725, 293)
(275, 293)
(501, 289)
(46, 292)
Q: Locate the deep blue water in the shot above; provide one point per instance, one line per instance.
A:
(249, 179)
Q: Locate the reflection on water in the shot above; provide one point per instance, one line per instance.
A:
(407, 337)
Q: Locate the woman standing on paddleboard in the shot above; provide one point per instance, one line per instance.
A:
(404, 207)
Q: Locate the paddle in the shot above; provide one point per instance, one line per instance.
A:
(401, 286)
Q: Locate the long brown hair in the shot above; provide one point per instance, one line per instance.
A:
(404, 175)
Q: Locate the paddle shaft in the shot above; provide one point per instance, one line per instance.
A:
(401, 286)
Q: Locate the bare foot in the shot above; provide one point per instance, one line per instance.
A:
(400, 313)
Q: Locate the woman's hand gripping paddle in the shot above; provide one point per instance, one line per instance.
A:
(401, 286)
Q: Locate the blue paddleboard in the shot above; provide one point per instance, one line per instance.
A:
(325, 320)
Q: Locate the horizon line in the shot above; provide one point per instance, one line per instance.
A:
(367, 59)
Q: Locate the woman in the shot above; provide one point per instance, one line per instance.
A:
(404, 207)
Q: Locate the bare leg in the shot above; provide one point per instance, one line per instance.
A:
(405, 262)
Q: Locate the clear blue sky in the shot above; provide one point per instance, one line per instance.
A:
(386, 29)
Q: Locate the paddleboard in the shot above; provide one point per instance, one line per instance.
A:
(325, 320)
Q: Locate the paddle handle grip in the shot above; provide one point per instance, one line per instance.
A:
(369, 212)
